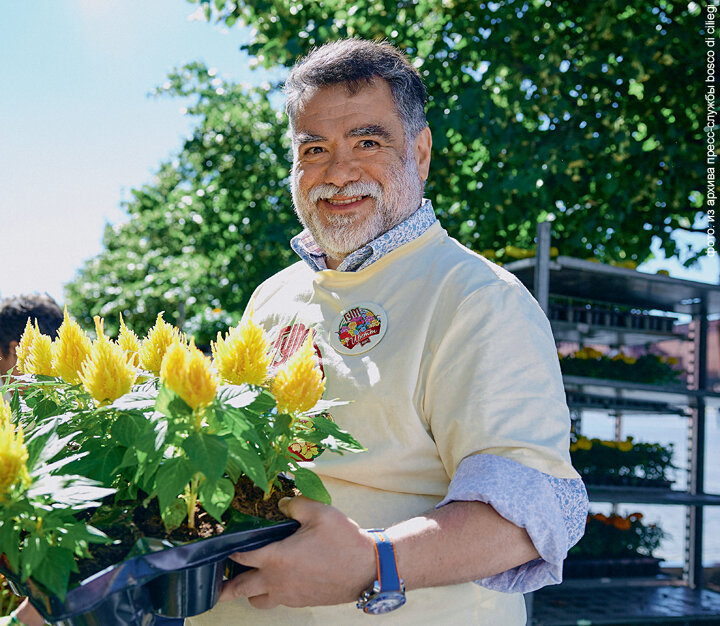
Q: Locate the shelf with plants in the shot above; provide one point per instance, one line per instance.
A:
(608, 322)
(602, 323)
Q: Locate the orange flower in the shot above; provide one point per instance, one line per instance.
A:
(621, 523)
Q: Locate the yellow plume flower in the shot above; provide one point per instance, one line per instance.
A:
(158, 340)
(299, 385)
(39, 360)
(23, 349)
(187, 372)
(242, 355)
(106, 373)
(5, 413)
(13, 460)
(70, 349)
(129, 343)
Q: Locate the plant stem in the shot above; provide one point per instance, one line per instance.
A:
(191, 492)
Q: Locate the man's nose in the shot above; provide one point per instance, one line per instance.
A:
(342, 169)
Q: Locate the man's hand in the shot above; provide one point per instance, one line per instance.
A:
(329, 560)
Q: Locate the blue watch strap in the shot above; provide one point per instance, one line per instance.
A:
(388, 577)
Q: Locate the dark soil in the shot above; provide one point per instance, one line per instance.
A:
(127, 526)
(249, 499)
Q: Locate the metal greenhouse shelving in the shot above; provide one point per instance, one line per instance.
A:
(594, 303)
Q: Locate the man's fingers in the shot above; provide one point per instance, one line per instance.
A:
(251, 558)
(301, 508)
(245, 585)
(262, 602)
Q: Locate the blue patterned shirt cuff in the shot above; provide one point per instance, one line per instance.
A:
(552, 510)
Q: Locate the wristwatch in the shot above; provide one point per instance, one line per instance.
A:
(387, 593)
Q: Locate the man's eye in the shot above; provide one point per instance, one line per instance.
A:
(314, 150)
(369, 143)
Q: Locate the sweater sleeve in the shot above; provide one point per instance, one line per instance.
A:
(552, 510)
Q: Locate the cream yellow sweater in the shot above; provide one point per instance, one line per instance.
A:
(443, 355)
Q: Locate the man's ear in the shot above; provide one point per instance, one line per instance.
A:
(421, 150)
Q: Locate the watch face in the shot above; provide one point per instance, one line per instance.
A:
(384, 602)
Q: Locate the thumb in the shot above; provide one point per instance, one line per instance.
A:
(301, 508)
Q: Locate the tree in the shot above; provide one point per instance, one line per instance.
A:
(587, 114)
(210, 227)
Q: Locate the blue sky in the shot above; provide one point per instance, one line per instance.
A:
(78, 130)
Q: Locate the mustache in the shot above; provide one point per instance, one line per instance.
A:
(358, 188)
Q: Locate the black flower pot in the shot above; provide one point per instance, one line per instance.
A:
(172, 581)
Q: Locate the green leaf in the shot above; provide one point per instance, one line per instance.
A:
(310, 485)
(45, 443)
(246, 461)
(242, 425)
(170, 404)
(331, 436)
(34, 550)
(53, 571)
(281, 426)
(174, 514)
(10, 543)
(100, 463)
(171, 479)
(216, 496)
(207, 453)
(134, 430)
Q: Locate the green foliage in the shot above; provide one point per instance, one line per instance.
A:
(148, 444)
(589, 114)
(627, 463)
(213, 224)
(617, 537)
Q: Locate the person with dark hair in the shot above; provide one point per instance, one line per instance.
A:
(465, 497)
(15, 311)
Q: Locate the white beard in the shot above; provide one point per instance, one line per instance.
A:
(339, 234)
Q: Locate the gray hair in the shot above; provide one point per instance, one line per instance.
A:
(356, 61)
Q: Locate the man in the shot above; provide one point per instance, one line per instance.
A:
(14, 314)
(450, 368)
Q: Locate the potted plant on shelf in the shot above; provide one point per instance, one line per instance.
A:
(622, 463)
(130, 469)
(615, 546)
(647, 368)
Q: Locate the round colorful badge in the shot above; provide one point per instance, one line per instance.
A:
(359, 328)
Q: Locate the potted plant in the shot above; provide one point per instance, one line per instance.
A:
(129, 467)
(615, 545)
(625, 463)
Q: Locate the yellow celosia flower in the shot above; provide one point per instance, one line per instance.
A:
(106, 373)
(242, 355)
(158, 340)
(13, 459)
(5, 413)
(23, 349)
(70, 349)
(129, 342)
(39, 360)
(187, 372)
(625, 446)
(299, 385)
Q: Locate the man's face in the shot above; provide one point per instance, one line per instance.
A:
(8, 361)
(354, 177)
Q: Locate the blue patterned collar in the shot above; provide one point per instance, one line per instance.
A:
(414, 226)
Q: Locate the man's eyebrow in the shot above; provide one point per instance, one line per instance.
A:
(303, 138)
(371, 130)
(376, 130)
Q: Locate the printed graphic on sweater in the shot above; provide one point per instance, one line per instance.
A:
(358, 328)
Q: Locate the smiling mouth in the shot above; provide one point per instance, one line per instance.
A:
(344, 201)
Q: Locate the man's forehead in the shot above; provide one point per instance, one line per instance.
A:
(362, 111)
